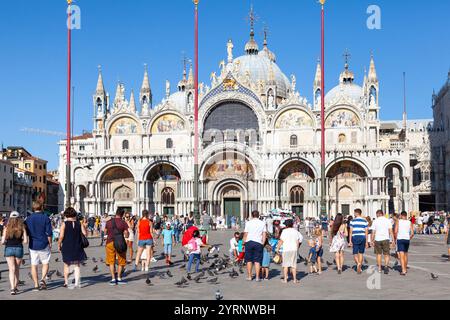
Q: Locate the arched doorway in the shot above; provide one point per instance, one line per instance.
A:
(346, 187)
(297, 198)
(168, 202)
(395, 188)
(117, 189)
(227, 177)
(161, 188)
(295, 181)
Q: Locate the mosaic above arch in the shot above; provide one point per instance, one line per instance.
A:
(342, 119)
(168, 123)
(294, 119)
(296, 170)
(229, 167)
(124, 126)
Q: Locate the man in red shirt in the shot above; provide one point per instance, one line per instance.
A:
(116, 226)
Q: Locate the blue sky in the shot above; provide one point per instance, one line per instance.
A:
(123, 35)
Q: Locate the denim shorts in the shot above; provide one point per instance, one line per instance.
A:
(168, 249)
(16, 252)
(145, 243)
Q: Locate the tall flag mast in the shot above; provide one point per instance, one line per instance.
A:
(69, 88)
(323, 204)
(196, 136)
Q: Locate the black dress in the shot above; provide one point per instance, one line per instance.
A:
(71, 248)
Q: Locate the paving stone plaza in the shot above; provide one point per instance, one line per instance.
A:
(425, 258)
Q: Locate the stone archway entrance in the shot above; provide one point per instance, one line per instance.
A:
(231, 197)
(117, 190)
(346, 187)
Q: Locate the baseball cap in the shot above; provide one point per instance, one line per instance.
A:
(111, 214)
(14, 214)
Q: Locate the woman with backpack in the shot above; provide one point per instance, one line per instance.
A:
(71, 245)
(116, 247)
(14, 236)
(194, 247)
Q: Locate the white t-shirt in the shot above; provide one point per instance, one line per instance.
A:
(420, 220)
(291, 239)
(255, 229)
(233, 245)
(381, 226)
(404, 230)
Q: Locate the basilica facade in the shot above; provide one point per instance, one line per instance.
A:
(259, 145)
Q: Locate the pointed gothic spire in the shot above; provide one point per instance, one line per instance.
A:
(120, 95)
(190, 80)
(100, 91)
(145, 95)
(146, 82)
(372, 77)
(132, 105)
(318, 78)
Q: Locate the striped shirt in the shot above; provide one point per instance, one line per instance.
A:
(359, 226)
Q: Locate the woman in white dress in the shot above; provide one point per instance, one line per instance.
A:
(339, 233)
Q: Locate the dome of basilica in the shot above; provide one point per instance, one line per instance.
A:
(261, 66)
(349, 90)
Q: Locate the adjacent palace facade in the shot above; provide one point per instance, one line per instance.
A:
(259, 149)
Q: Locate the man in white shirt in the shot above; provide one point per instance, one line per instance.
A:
(291, 240)
(255, 234)
(382, 239)
(234, 246)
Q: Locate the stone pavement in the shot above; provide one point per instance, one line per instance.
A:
(425, 257)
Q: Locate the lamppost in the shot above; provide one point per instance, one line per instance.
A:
(196, 136)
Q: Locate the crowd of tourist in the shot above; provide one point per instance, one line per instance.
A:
(262, 242)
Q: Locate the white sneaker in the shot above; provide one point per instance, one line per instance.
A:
(153, 260)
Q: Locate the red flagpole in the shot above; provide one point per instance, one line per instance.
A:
(322, 113)
(196, 133)
(69, 87)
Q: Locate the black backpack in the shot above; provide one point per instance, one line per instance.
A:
(119, 240)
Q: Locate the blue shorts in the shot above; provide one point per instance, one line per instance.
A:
(14, 252)
(359, 245)
(168, 249)
(403, 245)
(254, 252)
(145, 243)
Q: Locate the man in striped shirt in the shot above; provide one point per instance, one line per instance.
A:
(359, 231)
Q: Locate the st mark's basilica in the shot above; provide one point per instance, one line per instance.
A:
(259, 149)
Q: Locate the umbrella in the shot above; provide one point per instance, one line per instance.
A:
(188, 235)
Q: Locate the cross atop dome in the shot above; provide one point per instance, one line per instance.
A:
(251, 47)
(347, 76)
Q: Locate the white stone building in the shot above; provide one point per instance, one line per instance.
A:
(260, 145)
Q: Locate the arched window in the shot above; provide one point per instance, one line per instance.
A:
(169, 143)
(99, 103)
(125, 145)
(297, 195)
(342, 139)
(294, 141)
(168, 196)
(144, 100)
(373, 96)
